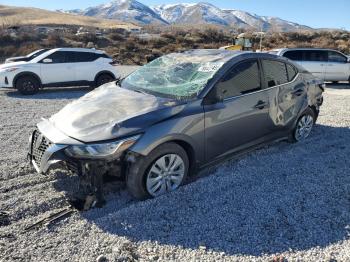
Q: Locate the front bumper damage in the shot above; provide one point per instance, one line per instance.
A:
(44, 155)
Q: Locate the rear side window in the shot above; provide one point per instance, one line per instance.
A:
(70, 57)
(292, 72)
(315, 56)
(335, 57)
(275, 73)
(294, 55)
(243, 78)
(81, 57)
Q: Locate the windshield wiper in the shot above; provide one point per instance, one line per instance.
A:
(140, 91)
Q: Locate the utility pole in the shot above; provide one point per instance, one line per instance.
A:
(261, 37)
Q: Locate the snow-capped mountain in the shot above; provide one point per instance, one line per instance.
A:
(201, 13)
(123, 10)
(186, 14)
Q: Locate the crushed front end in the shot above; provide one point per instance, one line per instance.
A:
(49, 149)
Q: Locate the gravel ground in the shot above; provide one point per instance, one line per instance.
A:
(287, 202)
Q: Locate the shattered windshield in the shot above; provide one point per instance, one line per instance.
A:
(176, 75)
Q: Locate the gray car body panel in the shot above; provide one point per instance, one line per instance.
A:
(211, 130)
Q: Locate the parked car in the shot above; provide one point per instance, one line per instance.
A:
(327, 64)
(27, 57)
(57, 68)
(181, 112)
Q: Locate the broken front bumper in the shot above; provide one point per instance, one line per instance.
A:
(44, 154)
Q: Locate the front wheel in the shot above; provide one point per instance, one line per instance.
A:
(303, 126)
(164, 170)
(27, 85)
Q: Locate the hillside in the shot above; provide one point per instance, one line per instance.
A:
(10, 15)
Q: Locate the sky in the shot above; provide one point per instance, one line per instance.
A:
(314, 13)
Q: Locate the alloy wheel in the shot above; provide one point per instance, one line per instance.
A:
(165, 175)
(304, 127)
(28, 86)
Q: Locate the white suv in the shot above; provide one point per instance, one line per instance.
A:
(326, 64)
(59, 67)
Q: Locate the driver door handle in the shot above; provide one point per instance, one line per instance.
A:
(260, 105)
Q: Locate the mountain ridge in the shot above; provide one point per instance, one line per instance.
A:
(185, 13)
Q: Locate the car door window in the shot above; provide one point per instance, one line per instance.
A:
(275, 73)
(335, 57)
(58, 57)
(315, 56)
(244, 78)
(292, 72)
(294, 55)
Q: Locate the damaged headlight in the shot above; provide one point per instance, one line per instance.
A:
(103, 150)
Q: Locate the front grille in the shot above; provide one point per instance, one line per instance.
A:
(39, 147)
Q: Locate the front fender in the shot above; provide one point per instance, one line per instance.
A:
(186, 128)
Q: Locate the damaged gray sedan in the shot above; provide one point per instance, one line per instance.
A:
(175, 115)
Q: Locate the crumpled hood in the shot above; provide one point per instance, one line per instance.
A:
(110, 112)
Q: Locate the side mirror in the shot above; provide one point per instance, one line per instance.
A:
(216, 95)
(47, 60)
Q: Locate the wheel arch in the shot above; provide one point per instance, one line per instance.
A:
(189, 151)
(107, 72)
(181, 140)
(22, 74)
(314, 109)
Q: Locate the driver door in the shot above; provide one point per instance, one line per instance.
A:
(59, 67)
(242, 116)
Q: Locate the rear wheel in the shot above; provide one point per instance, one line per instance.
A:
(27, 85)
(303, 126)
(164, 170)
(103, 79)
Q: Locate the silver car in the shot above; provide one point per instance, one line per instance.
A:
(326, 64)
(178, 114)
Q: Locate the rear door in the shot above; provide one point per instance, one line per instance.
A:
(60, 70)
(338, 68)
(242, 116)
(86, 64)
(285, 93)
(315, 61)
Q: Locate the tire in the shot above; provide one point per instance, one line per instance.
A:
(303, 127)
(103, 79)
(140, 177)
(27, 85)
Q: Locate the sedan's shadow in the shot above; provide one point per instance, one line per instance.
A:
(52, 93)
(284, 197)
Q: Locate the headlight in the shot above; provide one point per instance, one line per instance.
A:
(104, 150)
(10, 69)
